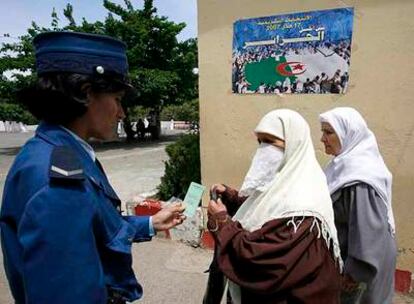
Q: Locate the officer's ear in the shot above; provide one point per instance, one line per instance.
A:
(86, 90)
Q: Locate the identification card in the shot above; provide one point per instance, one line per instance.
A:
(192, 198)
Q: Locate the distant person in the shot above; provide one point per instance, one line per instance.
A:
(307, 86)
(325, 84)
(153, 126)
(8, 126)
(146, 122)
(23, 127)
(261, 89)
(63, 237)
(299, 86)
(344, 82)
(317, 84)
(278, 87)
(140, 128)
(336, 83)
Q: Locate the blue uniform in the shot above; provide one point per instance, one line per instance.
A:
(63, 239)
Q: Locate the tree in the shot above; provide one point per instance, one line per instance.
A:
(187, 111)
(160, 66)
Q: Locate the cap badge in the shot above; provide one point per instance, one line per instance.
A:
(100, 69)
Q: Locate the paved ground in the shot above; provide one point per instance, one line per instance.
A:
(170, 272)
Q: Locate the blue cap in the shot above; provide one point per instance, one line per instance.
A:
(80, 53)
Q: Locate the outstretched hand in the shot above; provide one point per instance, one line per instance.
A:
(169, 217)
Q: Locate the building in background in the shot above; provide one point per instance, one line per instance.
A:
(380, 87)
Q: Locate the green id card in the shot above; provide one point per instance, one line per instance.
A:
(192, 198)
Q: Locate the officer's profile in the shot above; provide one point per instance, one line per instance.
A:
(63, 237)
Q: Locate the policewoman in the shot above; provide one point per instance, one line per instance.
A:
(63, 238)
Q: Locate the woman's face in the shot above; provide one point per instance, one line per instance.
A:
(270, 139)
(104, 112)
(330, 140)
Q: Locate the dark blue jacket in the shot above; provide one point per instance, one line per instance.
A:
(63, 239)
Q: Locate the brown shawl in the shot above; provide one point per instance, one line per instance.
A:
(275, 264)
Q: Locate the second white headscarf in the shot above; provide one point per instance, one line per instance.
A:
(359, 159)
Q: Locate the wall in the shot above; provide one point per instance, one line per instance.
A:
(381, 88)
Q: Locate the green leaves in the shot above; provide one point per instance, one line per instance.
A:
(188, 111)
(14, 112)
(160, 66)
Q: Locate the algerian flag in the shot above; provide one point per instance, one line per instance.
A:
(295, 67)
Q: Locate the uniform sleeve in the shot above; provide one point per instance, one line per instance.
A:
(367, 228)
(61, 263)
(143, 227)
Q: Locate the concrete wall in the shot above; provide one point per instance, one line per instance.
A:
(381, 88)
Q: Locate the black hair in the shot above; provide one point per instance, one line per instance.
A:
(60, 98)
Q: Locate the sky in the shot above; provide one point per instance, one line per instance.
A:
(16, 15)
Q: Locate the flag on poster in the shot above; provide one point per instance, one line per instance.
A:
(299, 53)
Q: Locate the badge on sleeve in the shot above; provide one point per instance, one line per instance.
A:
(65, 164)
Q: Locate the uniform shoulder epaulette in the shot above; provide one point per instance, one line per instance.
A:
(65, 164)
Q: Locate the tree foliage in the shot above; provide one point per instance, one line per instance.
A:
(14, 112)
(160, 66)
(187, 111)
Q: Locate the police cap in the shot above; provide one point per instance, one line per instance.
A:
(80, 53)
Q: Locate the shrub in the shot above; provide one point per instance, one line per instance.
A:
(15, 112)
(187, 111)
(138, 112)
(182, 168)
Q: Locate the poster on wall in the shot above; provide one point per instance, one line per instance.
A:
(298, 53)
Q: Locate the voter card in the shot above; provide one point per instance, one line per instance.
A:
(192, 198)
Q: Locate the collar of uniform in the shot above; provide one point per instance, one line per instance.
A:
(57, 136)
(83, 143)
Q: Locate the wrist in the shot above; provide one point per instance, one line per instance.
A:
(155, 222)
(152, 230)
(217, 221)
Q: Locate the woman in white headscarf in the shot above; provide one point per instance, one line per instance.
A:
(281, 245)
(360, 187)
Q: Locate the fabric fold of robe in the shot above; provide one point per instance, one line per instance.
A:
(367, 244)
(274, 264)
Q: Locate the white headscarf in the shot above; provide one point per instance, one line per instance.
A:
(359, 159)
(266, 161)
(299, 187)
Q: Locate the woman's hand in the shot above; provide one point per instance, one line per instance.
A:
(215, 207)
(218, 188)
(217, 215)
(168, 217)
